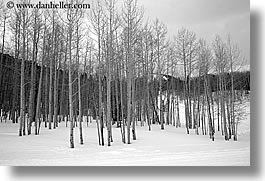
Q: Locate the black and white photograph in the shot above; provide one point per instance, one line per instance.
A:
(125, 83)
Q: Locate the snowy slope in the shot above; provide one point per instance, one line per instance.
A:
(169, 147)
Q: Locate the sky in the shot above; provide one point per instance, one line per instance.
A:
(206, 18)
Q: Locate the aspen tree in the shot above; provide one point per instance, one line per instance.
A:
(24, 26)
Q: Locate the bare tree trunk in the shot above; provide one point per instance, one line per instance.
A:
(50, 117)
(129, 96)
(70, 31)
(223, 108)
(22, 80)
(79, 88)
(133, 110)
(46, 94)
(100, 108)
(122, 112)
(36, 30)
(109, 119)
(62, 97)
(37, 121)
(17, 48)
(210, 123)
(3, 46)
(55, 91)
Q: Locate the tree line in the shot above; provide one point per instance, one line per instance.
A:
(66, 66)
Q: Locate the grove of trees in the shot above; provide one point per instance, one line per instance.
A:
(65, 67)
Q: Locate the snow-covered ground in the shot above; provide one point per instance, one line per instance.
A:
(171, 146)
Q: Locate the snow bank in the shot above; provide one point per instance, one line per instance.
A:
(171, 146)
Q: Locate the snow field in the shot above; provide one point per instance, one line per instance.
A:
(169, 147)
